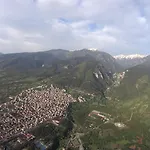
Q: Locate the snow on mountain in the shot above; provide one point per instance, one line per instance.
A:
(133, 56)
(93, 49)
(128, 61)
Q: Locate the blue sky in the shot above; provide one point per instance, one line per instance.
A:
(114, 26)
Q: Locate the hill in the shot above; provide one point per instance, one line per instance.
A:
(135, 81)
(77, 71)
(115, 119)
(27, 61)
(118, 121)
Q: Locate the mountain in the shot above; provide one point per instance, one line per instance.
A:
(121, 119)
(82, 70)
(27, 61)
(83, 73)
(128, 61)
(135, 81)
(116, 118)
(93, 49)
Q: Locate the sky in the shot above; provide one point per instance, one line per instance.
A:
(113, 26)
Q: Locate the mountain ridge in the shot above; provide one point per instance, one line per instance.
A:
(84, 70)
(129, 61)
(132, 56)
(46, 58)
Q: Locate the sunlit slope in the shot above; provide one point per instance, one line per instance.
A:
(135, 83)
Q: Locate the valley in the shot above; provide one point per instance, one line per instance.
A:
(84, 100)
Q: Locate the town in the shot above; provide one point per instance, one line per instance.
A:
(31, 108)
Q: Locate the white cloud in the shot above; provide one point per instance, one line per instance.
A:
(111, 30)
(33, 35)
(2, 41)
(80, 24)
(32, 46)
(12, 32)
(116, 26)
(142, 20)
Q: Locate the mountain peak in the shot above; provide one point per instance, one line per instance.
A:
(132, 56)
(93, 49)
(128, 61)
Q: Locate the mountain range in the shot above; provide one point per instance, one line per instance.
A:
(128, 61)
(87, 69)
(84, 70)
(27, 61)
(134, 78)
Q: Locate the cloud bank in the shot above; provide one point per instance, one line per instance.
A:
(114, 26)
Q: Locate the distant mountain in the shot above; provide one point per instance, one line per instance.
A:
(27, 61)
(129, 56)
(147, 60)
(136, 81)
(93, 49)
(128, 61)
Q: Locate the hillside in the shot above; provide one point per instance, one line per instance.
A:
(115, 119)
(27, 61)
(136, 81)
(78, 71)
(118, 121)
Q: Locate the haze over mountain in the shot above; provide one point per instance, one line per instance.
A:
(47, 58)
(128, 61)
